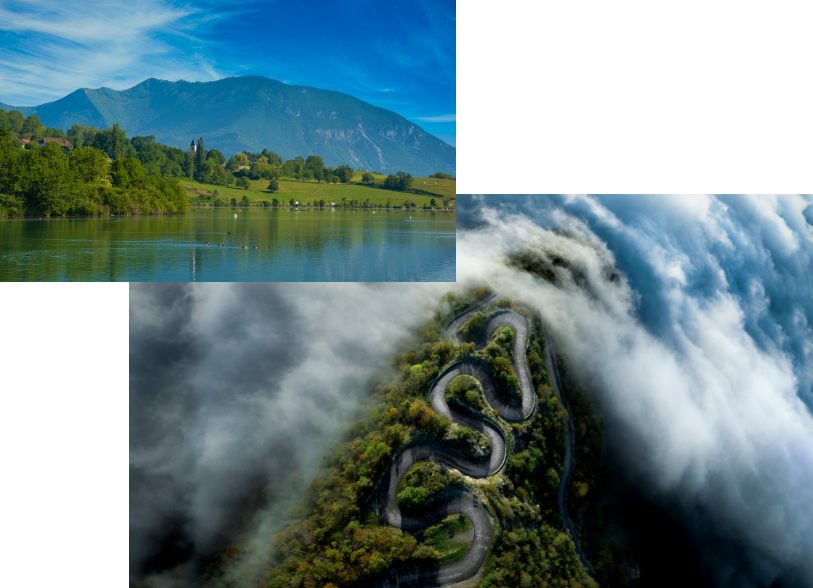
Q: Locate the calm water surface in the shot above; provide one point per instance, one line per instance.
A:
(313, 245)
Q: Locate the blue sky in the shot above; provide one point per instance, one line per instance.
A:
(398, 54)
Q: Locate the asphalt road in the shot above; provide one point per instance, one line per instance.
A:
(467, 503)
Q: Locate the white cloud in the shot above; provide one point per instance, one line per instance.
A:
(708, 417)
(249, 379)
(53, 47)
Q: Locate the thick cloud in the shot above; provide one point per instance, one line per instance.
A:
(236, 392)
(701, 354)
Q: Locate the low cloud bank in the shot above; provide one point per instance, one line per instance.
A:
(236, 393)
(700, 355)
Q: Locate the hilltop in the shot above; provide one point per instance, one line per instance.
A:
(252, 113)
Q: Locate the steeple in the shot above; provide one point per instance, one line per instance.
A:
(193, 148)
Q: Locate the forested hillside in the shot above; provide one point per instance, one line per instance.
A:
(336, 536)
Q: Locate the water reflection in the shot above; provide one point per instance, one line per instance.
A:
(311, 245)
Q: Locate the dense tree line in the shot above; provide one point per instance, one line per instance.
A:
(51, 181)
(210, 167)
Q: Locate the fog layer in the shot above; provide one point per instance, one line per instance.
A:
(236, 393)
(700, 353)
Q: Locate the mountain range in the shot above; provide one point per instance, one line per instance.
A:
(252, 113)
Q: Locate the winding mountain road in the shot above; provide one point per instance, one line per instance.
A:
(467, 503)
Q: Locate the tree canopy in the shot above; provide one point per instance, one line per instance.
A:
(50, 181)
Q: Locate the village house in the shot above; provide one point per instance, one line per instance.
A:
(60, 142)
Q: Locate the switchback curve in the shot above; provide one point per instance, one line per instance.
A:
(466, 504)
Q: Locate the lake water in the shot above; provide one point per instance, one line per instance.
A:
(314, 245)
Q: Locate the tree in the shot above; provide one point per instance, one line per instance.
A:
(116, 141)
(216, 156)
(33, 125)
(124, 170)
(273, 186)
(49, 132)
(218, 175)
(16, 120)
(189, 165)
(207, 173)
(404, 181)
(242, 182)
(261, 170)
(200, 159)
(315, 166)
(275, 202)
(391, 182)
(234, 201)
(367, 177)
(432, 203)
(171, 169)
(273, 158)
(81, 135)
(345, 173)
(245, 201)
(90, 164)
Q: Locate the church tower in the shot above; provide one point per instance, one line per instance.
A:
(193, 148)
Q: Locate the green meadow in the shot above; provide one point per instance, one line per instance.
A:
(306, 192)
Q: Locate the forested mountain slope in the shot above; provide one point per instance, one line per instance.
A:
(253, 113)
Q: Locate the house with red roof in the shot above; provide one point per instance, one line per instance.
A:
(60, 142)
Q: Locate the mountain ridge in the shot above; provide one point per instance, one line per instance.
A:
(253, 112)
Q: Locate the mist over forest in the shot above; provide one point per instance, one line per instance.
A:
(690, 321)
(236, 393)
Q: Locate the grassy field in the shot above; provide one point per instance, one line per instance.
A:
(442, 188)
(305, 192)
(445, 538)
